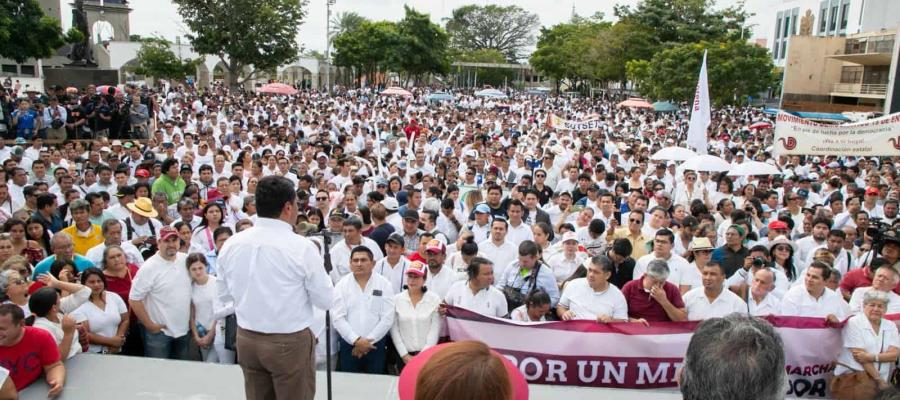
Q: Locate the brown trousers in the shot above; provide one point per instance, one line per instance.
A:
(277, 366)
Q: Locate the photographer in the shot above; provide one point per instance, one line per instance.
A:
(54, 120)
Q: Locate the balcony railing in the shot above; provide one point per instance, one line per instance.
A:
(871, 45)
(860, 88)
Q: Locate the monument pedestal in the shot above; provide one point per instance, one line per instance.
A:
(79, 77)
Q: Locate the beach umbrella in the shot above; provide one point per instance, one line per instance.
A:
(754, 168)
(673, 153)
(492, 93)
(439, 96)
(396, 91)
(635, 102)
(760, 125)
(706, 163)
(664, 106)
(277, 88)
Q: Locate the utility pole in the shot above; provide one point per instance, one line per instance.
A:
(328, 5)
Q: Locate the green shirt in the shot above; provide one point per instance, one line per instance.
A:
(172, 189)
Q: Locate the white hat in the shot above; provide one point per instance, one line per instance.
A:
(569, 236)
(390, 204)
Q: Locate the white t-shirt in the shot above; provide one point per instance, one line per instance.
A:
(489, 301)
(202, 297)
(587, 303)
(677, 266)
(103, 322)
(699, 307)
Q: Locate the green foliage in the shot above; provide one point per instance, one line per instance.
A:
(685, 21)
(735, 70)
(370, 48)
(422, 45)
(569, 50)
(25, 32)
(257, 33)
(509, 30)
(617, 46)
(491, 76)
(156, 59)
(345, 22)
(74, 35)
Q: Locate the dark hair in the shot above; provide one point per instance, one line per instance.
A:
(547, 229)
(45, 235)
(716, 264)
(667, 234)
(167, 164)
(221, 231)
(469, 247)
(193, 258)
(605, 263)
(90, 272)
(362, 249)
(354, 222)
(474, 266)
(622, 247)
(596, 227)
(42, 301)
(825, 268)
(272, 193)
(45, 200)
(528, 248)
(537, 297)
(58, 265)
(13, 310)
(203, 221)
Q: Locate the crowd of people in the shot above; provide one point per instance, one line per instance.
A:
(145, 222)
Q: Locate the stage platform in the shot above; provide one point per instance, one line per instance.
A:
(104, 377)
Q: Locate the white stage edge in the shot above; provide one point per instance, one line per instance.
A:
(105, 377)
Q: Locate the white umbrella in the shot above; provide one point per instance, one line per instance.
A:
(673, 154)
(753, 168)
(705, 162)
(492, 93)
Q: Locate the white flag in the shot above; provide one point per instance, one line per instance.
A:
(700, 119)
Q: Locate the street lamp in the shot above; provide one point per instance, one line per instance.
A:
(328, 5)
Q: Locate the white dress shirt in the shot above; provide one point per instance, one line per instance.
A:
(859, 334)
(165, 288)
(363, 312)
(441, 282)
(340, 256)
(274, 277)
(415, 328)
(489, 301)
(501, 255)
(770, 305)
(699, 307)
(396, 274)
(799, 303)
(517, 235)
(564, 267)
(677, 267)
(586, 303)
(782, 283)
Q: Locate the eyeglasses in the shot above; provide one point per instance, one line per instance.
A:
(322, 198)
(635, 221)
(18, 282)
(703, 251)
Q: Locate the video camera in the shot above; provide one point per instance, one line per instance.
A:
(881, 233)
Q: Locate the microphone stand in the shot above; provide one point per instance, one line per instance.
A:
(326, 244)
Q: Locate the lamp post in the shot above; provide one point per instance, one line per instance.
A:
(328, 5)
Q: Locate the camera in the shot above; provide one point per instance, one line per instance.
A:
(881, 233)
(759, 262)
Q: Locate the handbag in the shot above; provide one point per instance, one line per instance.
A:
(231, 332)
(856, 385)
(514, 296)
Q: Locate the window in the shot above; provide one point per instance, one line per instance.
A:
(28, 70)
(10, 69)
(833, 25)
(845, 15)
(775, 51)
(787, 26)
(783, 48)
(823, 19)
(851, 74)
(777, 28)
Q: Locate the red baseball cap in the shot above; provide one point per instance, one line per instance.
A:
(416, 268)
(406, 385)
(435, 246)
(142, 173)
(778, 225)
(166, 232)
(872, 191)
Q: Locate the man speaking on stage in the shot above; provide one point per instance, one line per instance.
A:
(275, 278)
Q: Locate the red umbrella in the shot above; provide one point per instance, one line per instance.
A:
(760, 125)
(396, 91)
(277, 88)
(636, 103)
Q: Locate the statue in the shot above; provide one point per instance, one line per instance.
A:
(81, 53)
(806, 23)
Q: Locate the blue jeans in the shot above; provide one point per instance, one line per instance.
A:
(160, 345)
(373, 362)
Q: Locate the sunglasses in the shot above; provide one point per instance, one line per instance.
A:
(321, 198)
(703, 251)
(636, 221)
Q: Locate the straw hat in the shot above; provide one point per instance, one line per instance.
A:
(144, 207)
(782, 240)
(700, 243)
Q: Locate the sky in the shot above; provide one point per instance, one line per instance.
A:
(160, 17)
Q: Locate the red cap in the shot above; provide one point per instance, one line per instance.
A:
(435, 246)
(142, 173)
(872, 191)
(167, 232)
(406, 385)
(777, 225)
(416, 268)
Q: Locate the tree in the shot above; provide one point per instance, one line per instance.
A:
(423, 46)
(369, 49)
(345, 22)
(509, 30)
(255, 34)
(613, 48)
(685, 21)
(567, 51)
(735, 69)
(26, 32)
(156, 59)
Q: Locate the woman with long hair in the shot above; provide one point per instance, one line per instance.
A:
(21, 244)
(185, 235)
(417, 323)
(782, 251)
(206, 325)
(104, 315)
(202, 237)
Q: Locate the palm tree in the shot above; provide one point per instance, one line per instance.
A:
(345, 22)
